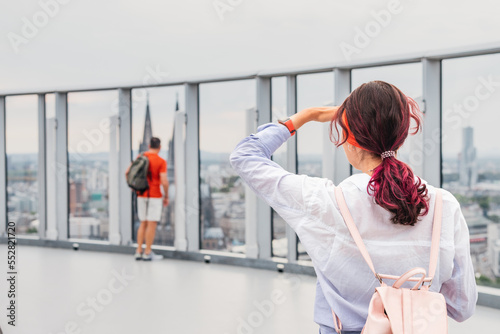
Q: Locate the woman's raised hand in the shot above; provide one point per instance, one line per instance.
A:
(317, 114)
(323, 114)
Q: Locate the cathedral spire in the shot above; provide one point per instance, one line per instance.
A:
(148, 132)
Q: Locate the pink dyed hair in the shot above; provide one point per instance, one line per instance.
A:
(379, 116)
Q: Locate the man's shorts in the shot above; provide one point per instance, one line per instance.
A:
(151, 206)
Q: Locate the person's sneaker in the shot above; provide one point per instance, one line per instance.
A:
(151, 257)
(138, 256)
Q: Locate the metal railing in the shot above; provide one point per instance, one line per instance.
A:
(53, 154)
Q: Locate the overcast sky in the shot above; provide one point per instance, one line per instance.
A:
(92, 43)
(97, 43)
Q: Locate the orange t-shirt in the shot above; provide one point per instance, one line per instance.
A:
(157, 165)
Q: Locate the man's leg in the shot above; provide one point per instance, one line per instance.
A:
(141, 233)
(150, 235)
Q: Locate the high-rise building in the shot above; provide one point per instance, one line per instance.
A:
(171, 155)
(467, 159)
(148, 131)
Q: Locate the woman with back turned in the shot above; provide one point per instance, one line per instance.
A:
(392, 208)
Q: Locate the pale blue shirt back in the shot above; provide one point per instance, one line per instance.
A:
(345, 282)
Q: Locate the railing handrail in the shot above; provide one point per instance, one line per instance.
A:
(449, 53)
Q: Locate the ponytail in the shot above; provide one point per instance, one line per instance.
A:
(393, 187)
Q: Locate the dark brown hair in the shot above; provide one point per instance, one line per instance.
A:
(379, 116)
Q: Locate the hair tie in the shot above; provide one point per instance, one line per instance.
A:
(388, 154)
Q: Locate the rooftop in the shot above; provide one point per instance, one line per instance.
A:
(60, 291)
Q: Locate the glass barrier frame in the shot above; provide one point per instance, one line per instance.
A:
(56, 216)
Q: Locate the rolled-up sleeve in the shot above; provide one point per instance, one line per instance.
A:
(294, 197)
(460, 290)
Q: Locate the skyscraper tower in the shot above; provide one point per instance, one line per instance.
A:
(171, 155)
(148, 132)
(467, 159)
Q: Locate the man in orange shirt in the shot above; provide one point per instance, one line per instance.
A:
(150, 203)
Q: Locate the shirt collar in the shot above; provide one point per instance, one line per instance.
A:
(360, 180)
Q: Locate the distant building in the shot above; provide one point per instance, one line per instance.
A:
(467, 164)
(78, 197)
(87, 228)
(171, 155)
(213, 238)
(148, 131)
(168, 217)
(494, 247)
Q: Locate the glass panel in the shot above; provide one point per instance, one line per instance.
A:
(278, 108)
(408, 78)
(313, 90)
(50, 105)
(22, 162)
(88, 151)
(471, 154)
(153, 115)
(223, 109)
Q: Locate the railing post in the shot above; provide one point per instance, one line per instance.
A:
(432, 121)
(3, 168)
(416, 146)
(61, 165)
(192, 167)
(342, 168)
(114, 179)
(41, 176)
(329, 149)
(264, 230)
(251, 225)
(125, 158)
(50, 141)
(180, 242)
(291, 161)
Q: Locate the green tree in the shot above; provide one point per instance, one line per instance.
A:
(484, 204)
(462, 199)
(32, 230)
(494, 218)
(484, 280)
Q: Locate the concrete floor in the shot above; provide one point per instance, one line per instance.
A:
(63, 292)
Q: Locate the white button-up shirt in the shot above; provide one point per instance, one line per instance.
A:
(345, 282)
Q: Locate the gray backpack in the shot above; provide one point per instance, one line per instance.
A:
(137, 177)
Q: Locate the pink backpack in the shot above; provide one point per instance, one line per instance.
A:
(396, 310)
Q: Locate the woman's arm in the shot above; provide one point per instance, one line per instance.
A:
(460, 290)
(317, 114)
(302, 201)
(251, 159)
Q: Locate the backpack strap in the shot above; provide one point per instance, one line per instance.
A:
(436, 234)
(349, 221)
(346, 214)
(336, 323)
(344, 210)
